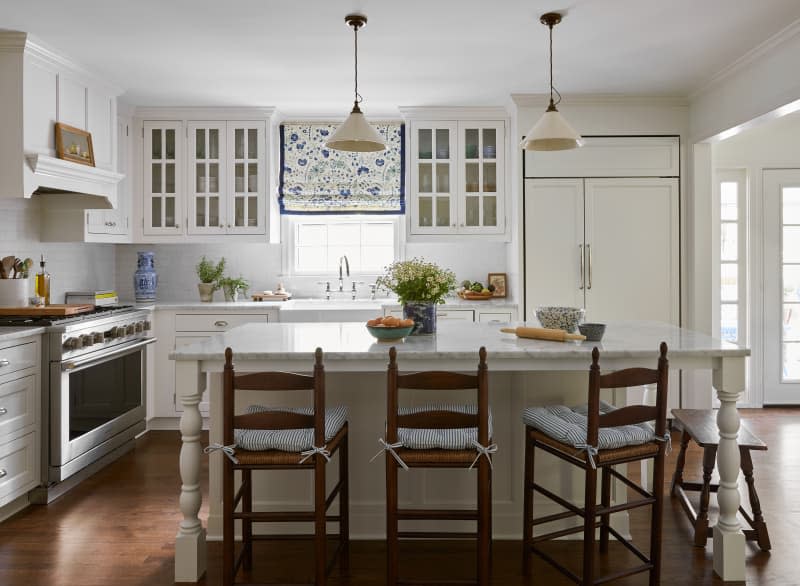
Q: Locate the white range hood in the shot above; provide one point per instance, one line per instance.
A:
(70, 184)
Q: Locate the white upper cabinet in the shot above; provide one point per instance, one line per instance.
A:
(457, 177)
(209, 176)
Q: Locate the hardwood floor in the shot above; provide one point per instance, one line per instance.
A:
(118, 527)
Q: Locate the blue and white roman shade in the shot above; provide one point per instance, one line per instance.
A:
(317, 180)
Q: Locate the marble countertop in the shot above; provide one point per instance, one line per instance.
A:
(453, 340)
(11, 333)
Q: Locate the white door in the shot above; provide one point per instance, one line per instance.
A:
(782, 286)
(554, 244)
(631, 249)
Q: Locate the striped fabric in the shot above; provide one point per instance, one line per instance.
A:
(288, 440)
(569, 426)
(446, 439)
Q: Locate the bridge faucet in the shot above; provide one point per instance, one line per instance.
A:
(347, 268)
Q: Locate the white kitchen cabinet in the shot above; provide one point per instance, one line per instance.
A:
(495, 316)
(477, 313)
(610, 245)
(204, 177)
(226, 177)
(175, 328)
(162, 187)
(20, 407)
(457, 177)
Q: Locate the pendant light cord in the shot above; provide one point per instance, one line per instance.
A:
(358, 97)
(553, 104)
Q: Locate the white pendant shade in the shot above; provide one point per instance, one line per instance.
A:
(356, 135)
(552, 133)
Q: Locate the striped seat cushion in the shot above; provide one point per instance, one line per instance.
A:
(569, 427)
(446, 439)
(288, 440)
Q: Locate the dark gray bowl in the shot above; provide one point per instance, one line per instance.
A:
(593, 332)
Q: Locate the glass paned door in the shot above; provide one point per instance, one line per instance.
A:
(433, 152)
(481, 176)
(782, 286)
(247, 177)
(162, 187)
(206, 177)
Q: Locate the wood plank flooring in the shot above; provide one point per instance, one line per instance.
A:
(118, 527)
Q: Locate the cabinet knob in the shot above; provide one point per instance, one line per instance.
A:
(3, 410)
(4, 362)
(3, 472)
(221, 323)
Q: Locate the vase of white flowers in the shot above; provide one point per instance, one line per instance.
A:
(419, 286)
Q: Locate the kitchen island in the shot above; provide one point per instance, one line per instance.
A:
(522, 372)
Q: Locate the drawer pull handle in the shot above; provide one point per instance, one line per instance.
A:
(442, 314)
(221, 323)
(4, 362)
(3, 472)
(3, 410)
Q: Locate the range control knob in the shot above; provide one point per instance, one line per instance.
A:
(98, 337)
(87, 340)
(139, 327)
(146, 325)
(71, 344)
(130, 330)
(110, 334)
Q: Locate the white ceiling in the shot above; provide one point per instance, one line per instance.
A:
(297, 55)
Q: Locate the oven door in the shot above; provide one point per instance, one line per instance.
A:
(95, 401)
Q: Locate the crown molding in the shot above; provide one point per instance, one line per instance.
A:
(541, 100)
(754, 54)
(12, 41)
(454, 112)
(202, 113)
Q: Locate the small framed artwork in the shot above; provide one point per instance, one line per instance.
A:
(74, 144)
(499, 282)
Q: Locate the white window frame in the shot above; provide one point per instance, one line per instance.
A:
(289, 230)
(743, 301)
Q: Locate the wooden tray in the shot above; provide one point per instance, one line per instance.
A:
(472, 296)
(271, 297)
(54, 309)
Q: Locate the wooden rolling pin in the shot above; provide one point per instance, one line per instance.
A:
(543, 334)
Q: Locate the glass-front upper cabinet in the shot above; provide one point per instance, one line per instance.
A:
(481, 176)
(206, 177)
(163, 172)
(246, 177)
(434, 177)
(457, 171)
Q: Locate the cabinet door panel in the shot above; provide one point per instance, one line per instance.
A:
(206, 177)
(632, 249)
(553, 243)
(434, 180)
(481, 174)
(163, 173)
(246, 178)
(102, 113)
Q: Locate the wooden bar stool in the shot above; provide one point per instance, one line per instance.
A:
(700, 425)
(282, 439)
(596, 438)
(439, 436)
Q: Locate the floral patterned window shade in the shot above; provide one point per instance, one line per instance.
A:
(317, 180)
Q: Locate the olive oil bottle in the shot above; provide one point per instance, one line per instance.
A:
(42, 283)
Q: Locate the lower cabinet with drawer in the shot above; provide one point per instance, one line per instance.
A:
(20, 408)
(175, 329)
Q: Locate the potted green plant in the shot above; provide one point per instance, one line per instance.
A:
(209, 275)
(231, 287)
(419, 286)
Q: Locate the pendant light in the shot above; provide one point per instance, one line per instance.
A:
(356, 134)
(552, 132)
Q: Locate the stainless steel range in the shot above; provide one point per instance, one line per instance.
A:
(94, 387)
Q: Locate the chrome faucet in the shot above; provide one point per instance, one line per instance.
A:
(347, 268)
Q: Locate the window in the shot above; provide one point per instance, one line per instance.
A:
(370, 243)
(732, 257)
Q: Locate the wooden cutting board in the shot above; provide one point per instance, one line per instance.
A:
(55, 309)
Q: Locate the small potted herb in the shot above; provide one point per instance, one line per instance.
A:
(209, 275)
(232, 287)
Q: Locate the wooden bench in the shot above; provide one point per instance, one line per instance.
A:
(700, 426)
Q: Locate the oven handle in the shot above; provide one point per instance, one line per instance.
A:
(93, 360)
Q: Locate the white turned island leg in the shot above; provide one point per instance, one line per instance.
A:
(729, 541)
(190, 543)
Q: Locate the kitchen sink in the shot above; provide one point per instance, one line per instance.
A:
(324, 310)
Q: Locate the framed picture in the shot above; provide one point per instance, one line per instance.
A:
(499, 282)
(74, 144)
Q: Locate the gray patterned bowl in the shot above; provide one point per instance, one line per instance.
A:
(560, 318)
(593, 332)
